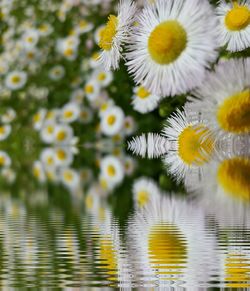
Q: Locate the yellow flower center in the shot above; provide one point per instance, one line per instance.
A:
(50, 161)
(2, 130)
(89, 202)
(61, 135)
(2, 160)
(234, 113)
(68, 176)
(68, 114)
(167, 249)
(89, 89)
(166, 42)
(142, 198)
(61, 155)
(111, 119)
(142, 93)
(238, 17)
(83, 24)
(95, 56)
(15, 79)
(36, 172)
(193, 147)
(37, 118)
(50, 129)
(108, 33)
(237, 271)
(233, 176)
(111, 170)
(102, 76)
(68, 52)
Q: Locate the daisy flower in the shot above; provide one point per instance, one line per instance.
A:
(5, 160)
(168, 238)
(63, 156)
(47, 132)
(112, 121)
(70, 112)
(115, 34)
(16, 80)
(192, 145)
(38, 171)
(143, 101)
(224, 98)
(129, 125)
(234, 28)
(143, 190)
(30, 38)
(63, 134)
(8, 116)
(104, 78)
(77, 96)
(84, 26)
(5, 131)
(112, 169)
(86, 115)
(129, 165)
(171, 46)
(38, 118)
(70, 178)
(57, 73)
(92, 90)
(47, 158)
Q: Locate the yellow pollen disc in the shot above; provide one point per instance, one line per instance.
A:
(237, 270)
(104, 106)
(2, 130)
(68, 114)
(234, 113)
(83, 24)
(15, 79)
(166, 42)
(89, 202)
(238, 17)
(50, 129)
(233, 176)
(142, 198)
(108, 33)
(111, 171)
(108, 258)
(102, 77)
(61, 155)
(89, 89)
(30, 55)
(111, 119)
(30, 39)
(167, 249)
(61, 135)
(43, 28)
(193, 147)
(142, 93)
(50, 161)
(37, 118)
(68, 176)
(36, 172)
(68, 52)
(2, 161)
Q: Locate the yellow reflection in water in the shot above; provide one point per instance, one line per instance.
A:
(167, 250)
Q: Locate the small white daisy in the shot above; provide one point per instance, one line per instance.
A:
(5, 160)
(129, 125)
(92, 90)
(112, 121)
(70, 112)
(47, 132)
(70, 178)
(224, 98)
(234, 28)
(8, 116)
(47, 158)
(129, 165)
(38, 118)
(63, 156)
(143, 190)
(112, 169)
(38, 171)
(57, 73)
(30, 38)
(16, 80)
(143, 101)
(103, 78)
(115, 34)
(63, 134)
(77, 96)
(5, 131)
(86, 115)
(171, 46)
